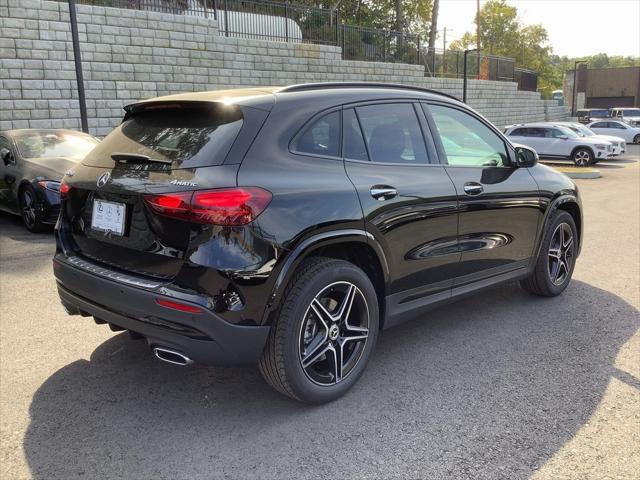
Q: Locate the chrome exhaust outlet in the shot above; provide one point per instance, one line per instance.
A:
(171, 356)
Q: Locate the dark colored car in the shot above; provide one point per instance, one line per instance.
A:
(588, 115)
(287, 226)
(32, 164)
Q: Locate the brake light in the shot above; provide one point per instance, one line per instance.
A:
(64, 189)
(224, 206)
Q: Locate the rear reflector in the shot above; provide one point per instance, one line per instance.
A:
(177, 306)
(225, 206)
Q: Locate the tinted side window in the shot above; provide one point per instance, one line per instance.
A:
(353, 146)
(322, 137)
(617, 125)
(466, 140)
(600, 125)
(393, 133)
(520, 132)
(557, 133)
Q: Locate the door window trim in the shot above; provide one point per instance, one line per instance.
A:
(432, 156)
(442, 155)
(306, 125)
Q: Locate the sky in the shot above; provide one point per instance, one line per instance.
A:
(576, 27)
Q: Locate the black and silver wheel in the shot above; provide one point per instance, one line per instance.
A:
(324, 334)
(636, 139)
(30, 209)
(556, 259)
(582, 157)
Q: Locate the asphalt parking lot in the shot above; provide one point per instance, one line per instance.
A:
(501, 385)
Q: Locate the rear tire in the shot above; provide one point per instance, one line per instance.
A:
(557, 258)
(30, 209)
(324, 333)
(636, 139)
(582, 157)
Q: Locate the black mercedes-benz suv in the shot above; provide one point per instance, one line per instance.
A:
(286, 226)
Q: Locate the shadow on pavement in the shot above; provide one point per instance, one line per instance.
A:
(490, 387)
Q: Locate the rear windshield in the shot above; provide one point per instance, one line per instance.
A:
(73, 146)
(187, 136)
(599, 113)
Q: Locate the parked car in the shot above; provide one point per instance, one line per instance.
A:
(557, 141)
(618, 128)
(618, 145)
(587, 115)
(286, 226)
(627, 115)
(31, 167)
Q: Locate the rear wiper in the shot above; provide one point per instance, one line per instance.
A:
(137, 158)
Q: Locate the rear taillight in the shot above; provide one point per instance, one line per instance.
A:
(225, 206)
(50, 185)
(64, 189)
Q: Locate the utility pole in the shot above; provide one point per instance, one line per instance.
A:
(78, 62)
(478, 33)
(444, 52)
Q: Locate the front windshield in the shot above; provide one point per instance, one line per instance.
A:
(582, 131)
(73, 146)
(632, 112)
(568, 132)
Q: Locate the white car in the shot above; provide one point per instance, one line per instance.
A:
(627, 115)
(618, 145)
(617, 128)
(556, 141)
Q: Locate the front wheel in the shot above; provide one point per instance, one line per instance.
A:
(324, 333)
(556, 260)
(582, 157)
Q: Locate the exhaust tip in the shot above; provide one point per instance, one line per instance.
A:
(171, 356)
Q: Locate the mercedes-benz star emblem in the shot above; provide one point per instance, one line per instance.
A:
(103, 179)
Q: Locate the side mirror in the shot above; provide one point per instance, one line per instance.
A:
(526, 157)
(563, 137)
(5, 155)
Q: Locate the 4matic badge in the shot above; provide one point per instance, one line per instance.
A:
(183, 183)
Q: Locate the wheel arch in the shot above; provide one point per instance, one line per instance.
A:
(569, 204)
(355, 246)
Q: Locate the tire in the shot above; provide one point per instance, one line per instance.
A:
(636, 139)
(305, 333)
(548, 278)
(582, 157)
(30, 209)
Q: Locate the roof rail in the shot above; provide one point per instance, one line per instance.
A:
(320, 85)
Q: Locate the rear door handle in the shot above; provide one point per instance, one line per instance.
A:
(473, 188)
(383, 192)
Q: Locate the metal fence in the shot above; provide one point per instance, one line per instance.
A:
(527, 79)
(286, 22)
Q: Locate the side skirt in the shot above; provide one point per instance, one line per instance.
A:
(399, 312)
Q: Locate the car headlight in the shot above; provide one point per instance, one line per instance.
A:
(601, 147)
(50, 185)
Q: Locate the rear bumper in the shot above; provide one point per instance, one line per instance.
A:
(204, 337)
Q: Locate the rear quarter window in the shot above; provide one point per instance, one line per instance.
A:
(186, 135)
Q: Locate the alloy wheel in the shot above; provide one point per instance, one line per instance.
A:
(28, 204)
(333, 333)
(582, 158)
(561, 253)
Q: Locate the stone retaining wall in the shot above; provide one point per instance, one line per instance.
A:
(129, 55)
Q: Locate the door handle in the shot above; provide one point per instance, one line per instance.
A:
(383, 192)
(473, 188)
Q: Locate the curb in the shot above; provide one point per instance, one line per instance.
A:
(580, 173)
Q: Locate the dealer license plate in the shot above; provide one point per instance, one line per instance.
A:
(108, 217)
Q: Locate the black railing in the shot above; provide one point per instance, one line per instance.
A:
(276, 21)
(527, 79)
(286, 22)
(374, 45)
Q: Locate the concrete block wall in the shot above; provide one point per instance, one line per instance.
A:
(129, 55)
